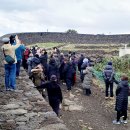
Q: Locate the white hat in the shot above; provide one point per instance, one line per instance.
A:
(5, 39)
(85, 60)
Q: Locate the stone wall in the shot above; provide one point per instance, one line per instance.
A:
(26, 109)
(40, 37)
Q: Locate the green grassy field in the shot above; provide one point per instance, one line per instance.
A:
(46, 45)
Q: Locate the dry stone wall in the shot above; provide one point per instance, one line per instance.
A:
(26, 109)
(40, 37)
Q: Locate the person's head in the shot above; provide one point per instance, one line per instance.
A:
(66, 60)
(62, 54)
(5, 40)
(124, 77)
(52, 61)
(82, 55)
(53, 78)
(37, 56)
(85, 60)
(12, 39)
(109, 63)
(31, 55)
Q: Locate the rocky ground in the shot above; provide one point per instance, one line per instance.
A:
(89, 113)
(29, 111)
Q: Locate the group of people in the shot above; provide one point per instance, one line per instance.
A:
(49, 69)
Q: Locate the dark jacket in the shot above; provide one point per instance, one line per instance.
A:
(122, 96)
(61, 70)
(52, 69)
(53, 90)
(43, 59)
(80, 61)
(69, 70)
(108, 74)
(84, 65)
(35, 61)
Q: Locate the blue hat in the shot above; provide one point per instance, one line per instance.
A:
(109, 63)
(53, 78)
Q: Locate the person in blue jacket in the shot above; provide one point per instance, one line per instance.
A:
(18, 52)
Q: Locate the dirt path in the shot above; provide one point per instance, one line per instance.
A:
(97, 113)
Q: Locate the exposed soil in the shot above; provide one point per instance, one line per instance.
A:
(97, 113)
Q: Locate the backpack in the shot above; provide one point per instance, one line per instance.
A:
(108, 75)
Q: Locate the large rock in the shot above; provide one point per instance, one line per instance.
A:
(67, 102)
(75, 108)
(17, 112)
(22, 119)
(11, 106)
(48, 114)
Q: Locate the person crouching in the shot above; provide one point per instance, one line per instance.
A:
(38, 77)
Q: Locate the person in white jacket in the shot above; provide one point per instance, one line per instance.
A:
(10, 69)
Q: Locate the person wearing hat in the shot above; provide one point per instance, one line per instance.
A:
(54, 93)
(108, 75)
(83, 67)
(10, 69)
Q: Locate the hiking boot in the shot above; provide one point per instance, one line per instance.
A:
(124, 121)
(12, 90)
(116, 122)
(8, 89)
(106, 98)
(112, 98)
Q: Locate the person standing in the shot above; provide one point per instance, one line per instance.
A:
(108, 75)
(19, 55)
(87, 82)
(10, 69)
(122, 100)
(68, 72)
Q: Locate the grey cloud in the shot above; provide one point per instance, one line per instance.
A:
(85, 16)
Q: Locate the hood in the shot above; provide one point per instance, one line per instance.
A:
(108, 67)
(124, 83)
(52, 61)
(36, 60)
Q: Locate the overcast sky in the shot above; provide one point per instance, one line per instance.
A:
(84, 16)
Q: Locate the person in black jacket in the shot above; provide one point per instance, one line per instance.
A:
(43, 59)
(54, 93)
(52, 69)
(122, 100)
(68, 72)
(80, 61)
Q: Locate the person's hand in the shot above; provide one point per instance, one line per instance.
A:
(60, 106)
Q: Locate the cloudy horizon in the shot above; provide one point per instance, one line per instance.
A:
(84, 16)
